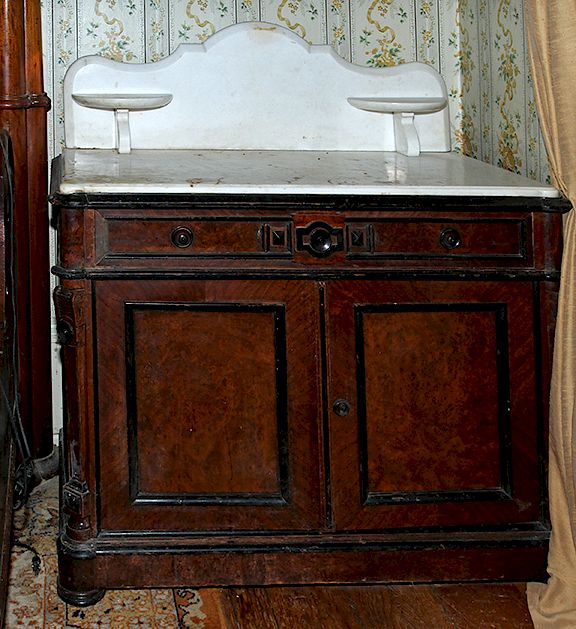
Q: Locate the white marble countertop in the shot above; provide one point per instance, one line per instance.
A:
(288, 172)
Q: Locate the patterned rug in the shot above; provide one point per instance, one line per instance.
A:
(32, 598)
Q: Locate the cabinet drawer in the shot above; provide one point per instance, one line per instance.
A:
(220, 237)
(438, 238)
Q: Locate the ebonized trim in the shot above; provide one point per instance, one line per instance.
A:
(119, 545)
(137, 497)
(315, 273)
(347, 202)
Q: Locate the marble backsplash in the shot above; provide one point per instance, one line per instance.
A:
(479, 47)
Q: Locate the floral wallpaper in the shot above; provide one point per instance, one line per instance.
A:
(498, 121)
(477, 45)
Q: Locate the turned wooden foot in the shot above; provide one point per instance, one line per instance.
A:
(80, 599)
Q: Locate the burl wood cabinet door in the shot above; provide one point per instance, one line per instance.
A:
(209, 405)
(438, 420)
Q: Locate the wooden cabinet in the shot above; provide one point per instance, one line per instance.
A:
(325, 389)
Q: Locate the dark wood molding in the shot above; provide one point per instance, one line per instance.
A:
(25, 101)
(23, 106)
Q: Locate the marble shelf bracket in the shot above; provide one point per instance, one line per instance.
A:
(122, 105)
(405, 134)
(122, 130)
(404, 111)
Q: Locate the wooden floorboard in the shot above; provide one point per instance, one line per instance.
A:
(474, 606)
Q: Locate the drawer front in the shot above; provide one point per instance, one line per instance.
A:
(218, 237)
(439, 238)
(320, 239)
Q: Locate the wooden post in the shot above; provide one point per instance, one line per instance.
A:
(23, 107)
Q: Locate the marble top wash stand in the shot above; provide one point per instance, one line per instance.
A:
(303, 341)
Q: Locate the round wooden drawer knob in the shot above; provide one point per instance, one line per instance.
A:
(450, 238)
(182, 237)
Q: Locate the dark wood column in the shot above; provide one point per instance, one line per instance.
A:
(23, 107)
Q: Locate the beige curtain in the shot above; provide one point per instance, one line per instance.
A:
(551, 28)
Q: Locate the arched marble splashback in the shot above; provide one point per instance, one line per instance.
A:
(477, 45)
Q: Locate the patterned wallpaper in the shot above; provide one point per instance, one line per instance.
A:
(498, 122)
(477, 45)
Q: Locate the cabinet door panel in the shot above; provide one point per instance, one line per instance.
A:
(443, 428)
(208, 417)
(224, 405)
